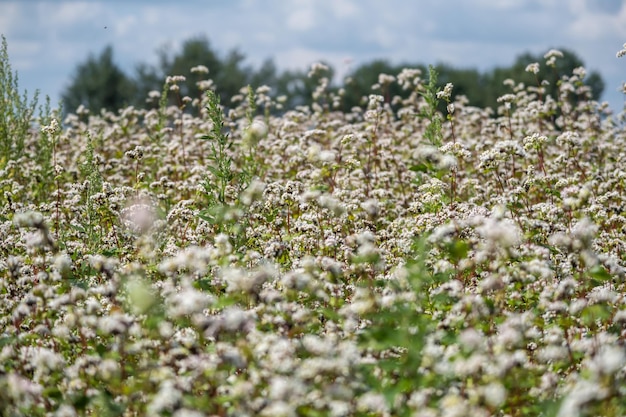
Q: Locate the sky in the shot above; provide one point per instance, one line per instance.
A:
(47, 39)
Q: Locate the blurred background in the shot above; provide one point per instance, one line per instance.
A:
(112, 53)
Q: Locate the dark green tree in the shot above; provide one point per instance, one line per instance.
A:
(299, 87)
(481, 88)
(362, 78)
(228, 73)
(564, 66)
(99, 83)
(267, 74)
(467, 82)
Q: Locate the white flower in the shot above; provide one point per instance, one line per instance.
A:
(584, 231)
(222, 243)
(553, 53)
(500, 233)
(580, 72)
(279, 409)
(28, 219)
(317, 345)
(471, 338)
(189, 301)
(385, 79)
(583, 392)
(317, 69)
(533, 68)
(20, 387)
(51, 129)
(240, 280)
(108, 369)
(63, 264)
(139, 216)
(327, 156)
(284, 388)
(374, 101)
(371, 207)
(446, 92)
(255, 132)
(184, 412)
(371, 116)
(166, 399)
(608, 360)
(409, 77)
(173, 79)
(43, 359)
(372, 402)
(495, 394)
(114, 324)
(65, 410)
(201, 69)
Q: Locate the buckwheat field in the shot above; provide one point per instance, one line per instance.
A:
(395, 260)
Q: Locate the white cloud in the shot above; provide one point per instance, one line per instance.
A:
(500, 4)
(69, 13)
(151, 15)
(382, 35)
(299, 58)
(9, 16)
(302, 15)
(588, 26)
(344, 8)
(56, 36)
(124, 25)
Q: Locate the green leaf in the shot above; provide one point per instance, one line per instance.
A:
(78, 227)
(204, 284)
(458, 250)
(153, 320)
(102, 349)
(110, 253)
(107, 406)
(593, 313)
(421, 167)
(599, 275)
(80, 401)
(79, 283)
(52, 392)
(7, 340)
(214, 171)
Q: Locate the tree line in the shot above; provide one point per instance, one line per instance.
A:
(99, 83)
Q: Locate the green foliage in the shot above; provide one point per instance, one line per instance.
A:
(90, 171)
(221, 161)
(430, 113)
(16, 111)
(98, 83)
(223, 211)
(397, 335)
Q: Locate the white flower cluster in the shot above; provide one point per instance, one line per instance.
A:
(323, 262)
